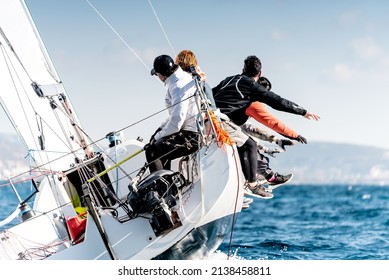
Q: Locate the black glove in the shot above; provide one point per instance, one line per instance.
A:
(301, 139)
(284, 142)
(152, 136)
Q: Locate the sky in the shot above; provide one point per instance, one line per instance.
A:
(330, 57)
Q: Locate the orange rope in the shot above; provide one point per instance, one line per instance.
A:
(221, 134)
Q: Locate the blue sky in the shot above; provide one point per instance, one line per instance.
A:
(331, 57)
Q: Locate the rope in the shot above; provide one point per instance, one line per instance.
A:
(236, 203)
(189, 193)
(115, 165)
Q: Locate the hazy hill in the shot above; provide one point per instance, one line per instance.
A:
(331, 163)
(314, 163)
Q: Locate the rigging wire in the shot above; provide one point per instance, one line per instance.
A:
(13, 51)
(121, 38)
(129, 48)
(39, 126)
(163, 30)
(11, 69)
(117, 34)
(95, 142)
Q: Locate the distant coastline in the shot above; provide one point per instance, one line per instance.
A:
(323, 163)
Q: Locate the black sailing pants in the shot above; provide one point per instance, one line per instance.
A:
(160, 153)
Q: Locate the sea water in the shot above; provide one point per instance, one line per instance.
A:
(301, 222)
(314, 223)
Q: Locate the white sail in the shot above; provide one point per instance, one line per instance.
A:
(25, 64)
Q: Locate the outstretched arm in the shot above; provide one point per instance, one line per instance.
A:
(263, 81)
(258, 112)
(256, 132)
(268, 150)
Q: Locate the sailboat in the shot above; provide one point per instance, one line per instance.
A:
(90, 204)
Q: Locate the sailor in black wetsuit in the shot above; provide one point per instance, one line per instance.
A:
(233, 96)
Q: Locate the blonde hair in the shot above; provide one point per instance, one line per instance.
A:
(186, 59)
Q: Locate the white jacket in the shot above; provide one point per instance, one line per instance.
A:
(180, 103)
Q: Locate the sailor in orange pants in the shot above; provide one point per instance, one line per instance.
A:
(257, 111)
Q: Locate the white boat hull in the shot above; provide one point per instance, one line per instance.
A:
(206, 212)
(204, 224)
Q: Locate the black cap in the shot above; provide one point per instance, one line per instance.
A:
(163, 65)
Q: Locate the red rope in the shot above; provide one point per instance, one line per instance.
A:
(236, 203)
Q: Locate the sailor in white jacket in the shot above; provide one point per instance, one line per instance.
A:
(178, 135)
